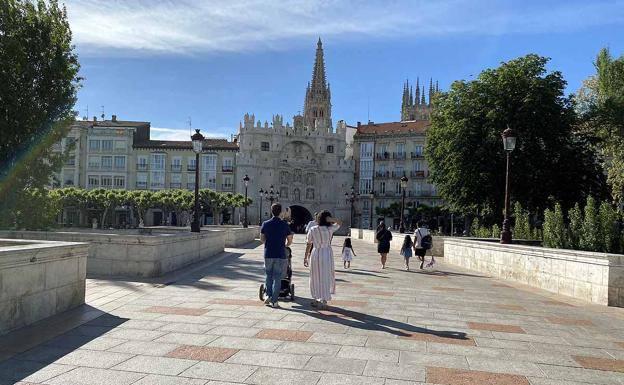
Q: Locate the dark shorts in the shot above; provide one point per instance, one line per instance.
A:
(383, 247)
(420, 252)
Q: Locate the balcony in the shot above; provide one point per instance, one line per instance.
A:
(157, 185)
(176, 167)
(93, 166)
(106, 167)
(190, 167)
(382, 174)
(142, 166)
(71, 162)
(398, 174)
(190, 186)
(416, 155)
(175, 185)
(418, 174)
(383, 156)
(227, 187)
(141, 185)
(399, 155)
(227, 169)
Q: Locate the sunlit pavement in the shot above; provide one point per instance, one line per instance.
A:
(206, 325)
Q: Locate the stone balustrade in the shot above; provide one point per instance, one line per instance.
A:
(593, 277)
(39, 279)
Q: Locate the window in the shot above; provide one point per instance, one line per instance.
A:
(209, 171)
(366, 150)
(191, 181)
(93, 181)
(94, 162)
(107, 145)
(382, 187)
(264, 146)
(94, 145)
(330, 149)
(107, 162)
(120, 162)
(283, 192)
(120, 145)
(176, 181)
(418, 150)
(107, 181)
(227, 183)
(141, 180)
(119, 182)
(158, 161)
(176, 164)
(417, 166)
(366, 185)
(191, 164)
(399, 172)
(141, 163)
(157, 179)
(228, 165)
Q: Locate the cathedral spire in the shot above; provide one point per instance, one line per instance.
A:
(417, 101)
(317, 106)
(422, 96)
(430, 89)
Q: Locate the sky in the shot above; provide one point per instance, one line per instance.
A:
(204, 64)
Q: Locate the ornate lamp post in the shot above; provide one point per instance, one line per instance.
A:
(198, 141)
(351, 198)
(271, 196)
(372, 198)
(246, 181)
(403, 187)
(509, 144)
(261, 192)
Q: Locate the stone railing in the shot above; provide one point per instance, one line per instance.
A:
(39, 279)
(592, 277)
(128, 253)
(234, 235)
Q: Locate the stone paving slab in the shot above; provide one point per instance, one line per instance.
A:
(205, 325)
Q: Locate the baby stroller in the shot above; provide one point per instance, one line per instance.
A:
(288, 289)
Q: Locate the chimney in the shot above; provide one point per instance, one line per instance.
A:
(95, 118)
(114, 118)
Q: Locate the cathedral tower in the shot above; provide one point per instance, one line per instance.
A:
(317, 105)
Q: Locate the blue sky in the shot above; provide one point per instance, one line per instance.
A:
(213, 61)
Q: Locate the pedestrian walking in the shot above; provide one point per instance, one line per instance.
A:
(406, 250)
(319, 257)
(383, 236)
(276, 236)
(347, 253)
(422, 244)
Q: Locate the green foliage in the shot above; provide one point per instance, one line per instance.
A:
(554, 228)
(609, 230)
(496, 231)
(464, 147)
(39, 80)
(141, 201)
(478, 230)
(591, 229)
(575, 227)
(36, 209)
(522, 228)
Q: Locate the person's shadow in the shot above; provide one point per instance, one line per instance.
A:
(364, 321)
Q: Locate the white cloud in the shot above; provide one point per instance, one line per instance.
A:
(197, 26)
(160, 133)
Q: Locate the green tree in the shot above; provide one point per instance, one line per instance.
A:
(496, 231)
(38, 210)
(39, 80)
(464, 147)
(609, 230)
(554, 228)
(590, 234)
(141, 201)
(522, 229)
(575, 227)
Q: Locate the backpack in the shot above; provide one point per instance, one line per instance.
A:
(426, 242)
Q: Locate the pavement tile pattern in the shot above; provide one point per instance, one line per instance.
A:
(205, 325)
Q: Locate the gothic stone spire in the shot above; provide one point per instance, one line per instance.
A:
(317, 106)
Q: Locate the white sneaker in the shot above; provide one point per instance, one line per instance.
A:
(275, 305)
(267, 301)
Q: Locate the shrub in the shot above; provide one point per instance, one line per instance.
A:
(609, 230)
(496, 231)
(575, 228)
(590, 234)
(522, 229)
(554, 228)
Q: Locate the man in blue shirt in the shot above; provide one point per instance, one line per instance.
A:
(276, 235)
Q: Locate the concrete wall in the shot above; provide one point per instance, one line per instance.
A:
(234, 235)
(127, 253)
(592, 277)
(39, 279)
(397, 241)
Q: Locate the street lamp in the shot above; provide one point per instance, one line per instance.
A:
(261, 192)
(351, 198)
(509, 144)
(246, 181)
(372, 198)
(403, 187)
(198, 141)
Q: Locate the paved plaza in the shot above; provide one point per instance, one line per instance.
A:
(205, 325)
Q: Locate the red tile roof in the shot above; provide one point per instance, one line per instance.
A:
(209, 144)
(411, 126)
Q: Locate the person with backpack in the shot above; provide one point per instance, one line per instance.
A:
(423, 242)
(383, 236)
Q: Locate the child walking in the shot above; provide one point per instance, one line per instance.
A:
(406, 250)
(347, 253)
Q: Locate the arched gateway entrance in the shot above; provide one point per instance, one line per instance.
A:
(299, 218)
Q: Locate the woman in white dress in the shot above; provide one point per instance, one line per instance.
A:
(320, 258)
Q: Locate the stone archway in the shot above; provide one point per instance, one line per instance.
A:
(299, 218)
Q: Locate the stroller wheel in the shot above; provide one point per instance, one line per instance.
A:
(261, 292)
(292, 291)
